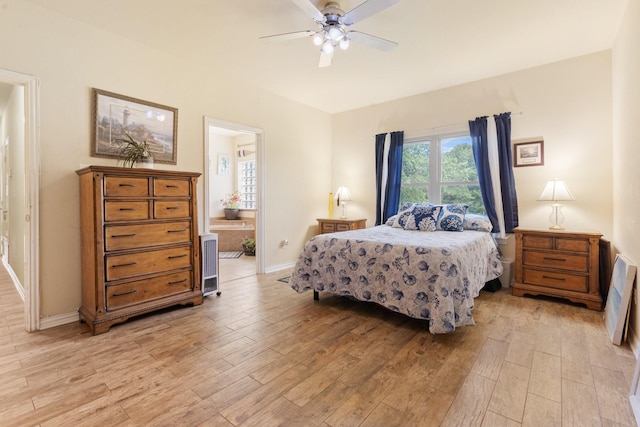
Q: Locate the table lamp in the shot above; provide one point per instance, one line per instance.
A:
(556, 190)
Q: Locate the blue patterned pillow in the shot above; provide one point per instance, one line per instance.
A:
(418, 217)
(451, 217)
(477, 222)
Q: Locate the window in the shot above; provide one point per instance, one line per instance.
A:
(247, 184)
(440, 169)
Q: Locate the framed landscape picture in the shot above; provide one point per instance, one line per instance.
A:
(528, 154)
(114, 116)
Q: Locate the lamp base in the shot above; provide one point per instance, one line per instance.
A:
(556, 217)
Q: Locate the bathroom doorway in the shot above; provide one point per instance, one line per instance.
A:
(234, 164)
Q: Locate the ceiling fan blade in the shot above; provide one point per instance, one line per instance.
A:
(325, 59)
(365, 10)
(288, 36)
(373, 41)
(310, 9)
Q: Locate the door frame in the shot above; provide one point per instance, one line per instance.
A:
(31, 285)
(260, 174)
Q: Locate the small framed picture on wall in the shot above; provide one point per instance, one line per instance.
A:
(223, 164)
(528, 154)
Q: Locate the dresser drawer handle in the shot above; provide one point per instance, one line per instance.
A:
(173, 207)
(125, 265)
(176, 256)
(132, 291)
(177, 231)
(126, 185)
(172, 186)
(554, 259)
(127, 209)
(175, 282)
(561, 279)
(123, 235)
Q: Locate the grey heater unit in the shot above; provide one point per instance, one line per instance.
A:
(209, 257)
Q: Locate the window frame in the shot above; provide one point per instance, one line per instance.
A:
(435, 183)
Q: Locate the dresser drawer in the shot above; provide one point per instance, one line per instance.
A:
(553, 279)
(133, 236)
(128, 294)
(129, 265)
(125, 210)
(574, 245)
(343, 227)
(328, 227)
(124, 186)
(556, 260)
(164, 209)
(537, 242)
(171, 187)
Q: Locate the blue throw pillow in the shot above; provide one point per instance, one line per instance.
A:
(417, 217)
(452, 217)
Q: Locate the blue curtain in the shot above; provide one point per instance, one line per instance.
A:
(507, 181)
(479, 142)
(388, 175)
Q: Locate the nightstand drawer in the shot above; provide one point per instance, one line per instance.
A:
(329, 227)
(574, 245)
(556, 260)
(553, 279)
(537, 242)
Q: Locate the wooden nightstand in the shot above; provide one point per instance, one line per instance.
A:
(561, 264)
(330, 225)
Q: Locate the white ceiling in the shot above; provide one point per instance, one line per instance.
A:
(441, 42)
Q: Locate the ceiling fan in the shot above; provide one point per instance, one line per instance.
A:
(333, 22)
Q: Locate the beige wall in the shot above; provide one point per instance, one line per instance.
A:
(567, 103)
(220, 185)
(70, 58)
(626, 147)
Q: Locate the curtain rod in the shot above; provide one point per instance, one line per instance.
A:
(520, 113)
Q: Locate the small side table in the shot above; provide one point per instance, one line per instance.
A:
(331, 225)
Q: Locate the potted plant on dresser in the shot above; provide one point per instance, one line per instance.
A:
(134, 151)
(231, 205)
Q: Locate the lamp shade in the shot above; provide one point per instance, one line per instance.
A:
(556, 190)
(343, 194)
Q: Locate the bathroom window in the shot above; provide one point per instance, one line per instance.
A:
(247, 183)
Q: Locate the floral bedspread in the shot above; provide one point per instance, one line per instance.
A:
(426, 275)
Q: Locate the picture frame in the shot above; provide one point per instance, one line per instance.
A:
(114, 115)
(528, 154)
(616, 311)
(223, 164)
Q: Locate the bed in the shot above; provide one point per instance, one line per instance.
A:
(433, 276)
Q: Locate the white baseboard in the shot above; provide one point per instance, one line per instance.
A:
(59, 319)
(279, 267)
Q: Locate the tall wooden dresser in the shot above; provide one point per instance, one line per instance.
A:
(140, 252)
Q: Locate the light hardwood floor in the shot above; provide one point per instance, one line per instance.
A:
(263, 355)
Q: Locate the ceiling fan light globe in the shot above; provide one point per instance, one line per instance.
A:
(318, 38)
(327, 47)
(344, 43)
(335, 33)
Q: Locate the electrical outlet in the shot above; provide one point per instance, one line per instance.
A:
(284, 243)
